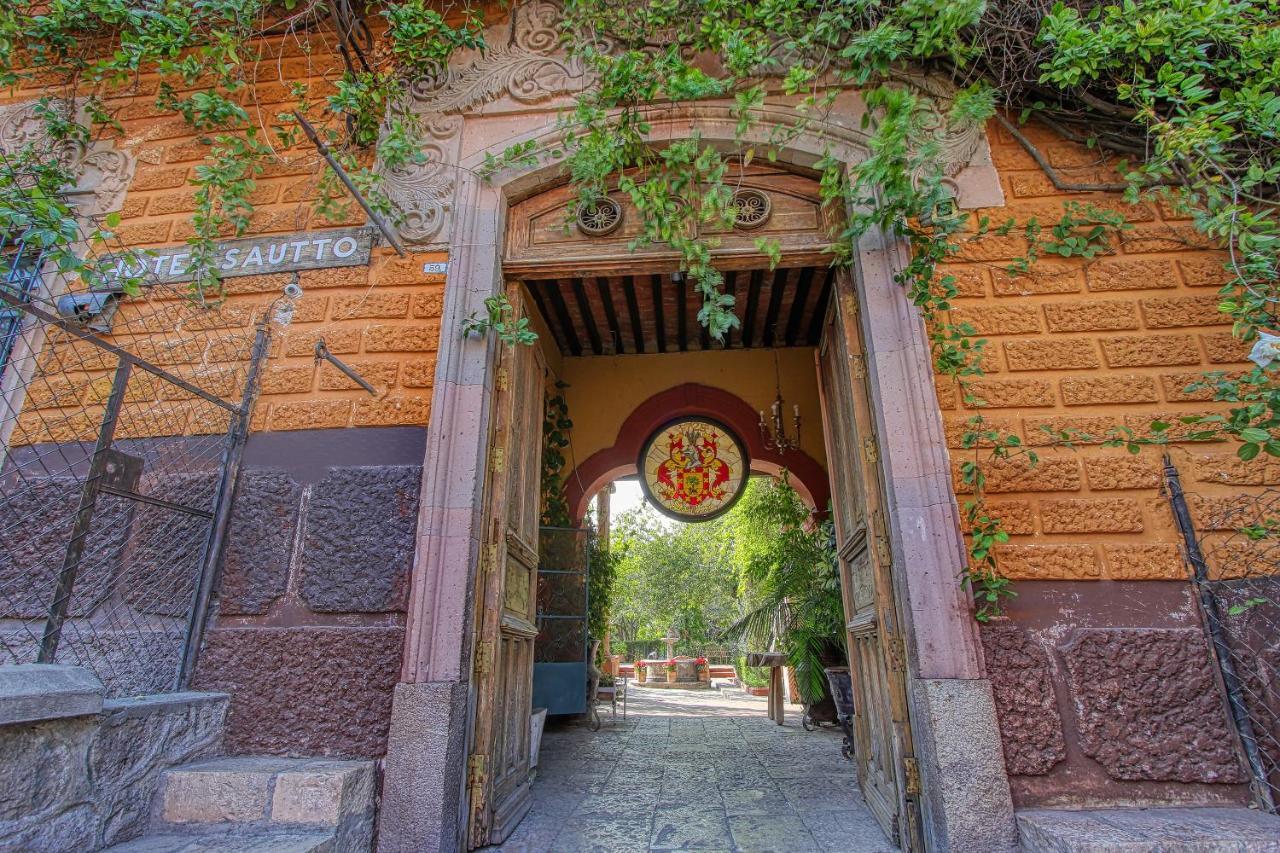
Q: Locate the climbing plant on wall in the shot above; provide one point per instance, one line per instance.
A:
(1182, 92)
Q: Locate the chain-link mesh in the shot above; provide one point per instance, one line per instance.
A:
(1233, 546)
(121, 418)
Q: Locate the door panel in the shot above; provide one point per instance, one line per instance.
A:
(498, 767)
(882, 735)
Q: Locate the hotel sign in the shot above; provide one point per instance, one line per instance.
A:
(306, 250)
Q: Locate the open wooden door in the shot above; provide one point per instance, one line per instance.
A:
(498, 770)
(882, 736)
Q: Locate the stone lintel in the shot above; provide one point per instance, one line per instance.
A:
(35, 691)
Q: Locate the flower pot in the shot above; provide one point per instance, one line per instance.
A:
(704, 674)
(641, 675)
(671, 676)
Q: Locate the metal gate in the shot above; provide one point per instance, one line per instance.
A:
(1232, 545)
(122, 423)
(560, 651)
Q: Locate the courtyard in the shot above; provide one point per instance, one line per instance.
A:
(695, 770)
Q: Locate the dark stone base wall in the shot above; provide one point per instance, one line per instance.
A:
(1107, 695)
(308, 628)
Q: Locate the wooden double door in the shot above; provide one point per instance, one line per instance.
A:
(887, 770)
(498, 766)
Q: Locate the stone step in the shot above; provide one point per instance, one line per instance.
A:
(1154, 830)
(302, 791)
(240, 840)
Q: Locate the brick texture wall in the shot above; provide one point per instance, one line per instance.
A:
(382, 320)
(1086, 346)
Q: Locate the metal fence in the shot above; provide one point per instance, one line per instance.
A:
(1232, 544)
(122, 423)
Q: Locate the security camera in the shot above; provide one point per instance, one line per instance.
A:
(293, 290)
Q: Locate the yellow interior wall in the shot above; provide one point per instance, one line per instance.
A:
(603, 391)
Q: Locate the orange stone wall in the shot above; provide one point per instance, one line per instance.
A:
(1086, 346)
(383, 320)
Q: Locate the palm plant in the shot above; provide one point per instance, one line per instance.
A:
(789, 583)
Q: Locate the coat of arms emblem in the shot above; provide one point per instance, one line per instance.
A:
(693, 469)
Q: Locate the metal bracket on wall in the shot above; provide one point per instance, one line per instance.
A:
(323, 354)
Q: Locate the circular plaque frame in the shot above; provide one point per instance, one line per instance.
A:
(725, 431)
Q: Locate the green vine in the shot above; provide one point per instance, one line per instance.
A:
(555, 438)
(500, 319)
(1183, 92)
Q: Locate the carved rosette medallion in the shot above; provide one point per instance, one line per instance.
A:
(600, 218)
(751, 209)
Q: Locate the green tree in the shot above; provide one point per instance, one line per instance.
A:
(788, 581)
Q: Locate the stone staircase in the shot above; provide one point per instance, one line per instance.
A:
(262, 805)
(1154, 830)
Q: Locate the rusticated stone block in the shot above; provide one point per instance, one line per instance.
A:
(418, 373)
(379, 374)
(1013, 393)
(1144, 562)
(419, 337)
(1090, 316)
(1097, 390)
(1030, 725)
(1121, 472)
(359, 539)
(1052, 354)
(292, 379)
(1131, 275)
(1016, 517)
(371, 304)
(44, 792)
(1148, 707)
(341, 340)
(1044, 277)
(1183, 311)
(970, 281)
(999, 319)
(1209, 271)
(137, 741)
(1047, 562)
(1187, 387)
(1164, 237)
(255, 568)
(1225, 348)
(166, 544)
(1079, 429)
(392, 411)
(310, 414)
(37, 517)
(428, 304)
(1049, 474)
(1150, 350)
(1117, 515)
(304, 691)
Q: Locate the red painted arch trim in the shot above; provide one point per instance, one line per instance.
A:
(605, 466)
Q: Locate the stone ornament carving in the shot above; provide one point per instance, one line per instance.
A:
(522, 61)
(751, 209)
(957, 142)
(102, 172)
(423, 192)
(600, 218)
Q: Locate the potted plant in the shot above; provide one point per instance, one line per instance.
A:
(642, 669)
(670, 667)
(704, 671)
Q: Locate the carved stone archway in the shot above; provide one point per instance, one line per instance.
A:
(513, 94)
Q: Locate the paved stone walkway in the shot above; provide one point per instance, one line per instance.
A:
(696, 770)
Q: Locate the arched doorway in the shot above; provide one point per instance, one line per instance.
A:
(946, 692)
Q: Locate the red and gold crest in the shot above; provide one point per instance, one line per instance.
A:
(693, 469)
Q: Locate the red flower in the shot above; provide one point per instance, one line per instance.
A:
(701, 661)
(641, 665)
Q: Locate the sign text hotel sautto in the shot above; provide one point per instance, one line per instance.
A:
(307, 250)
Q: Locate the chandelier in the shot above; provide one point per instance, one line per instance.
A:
(774, 435)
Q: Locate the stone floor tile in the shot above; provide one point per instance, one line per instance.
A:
(771, 833)
(847, 832)
(744, 801)
(596, 836)
(692, 827)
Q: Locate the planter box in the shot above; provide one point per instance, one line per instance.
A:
(537, 720)
(755, 691)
